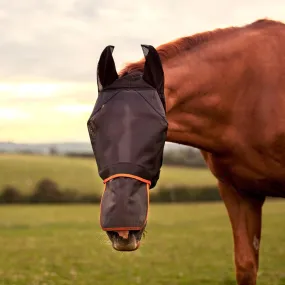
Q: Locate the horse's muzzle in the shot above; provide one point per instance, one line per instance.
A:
(125, 240)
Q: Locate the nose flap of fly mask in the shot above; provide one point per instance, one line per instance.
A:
(124, 204)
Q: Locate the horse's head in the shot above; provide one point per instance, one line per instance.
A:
(128, 130)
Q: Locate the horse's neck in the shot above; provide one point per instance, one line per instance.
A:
(199, 101)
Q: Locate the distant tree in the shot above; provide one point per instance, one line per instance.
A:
(10, 195)
(53, 150)
(47, 191)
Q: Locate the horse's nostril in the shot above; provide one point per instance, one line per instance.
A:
(123, 234)
(111, 234)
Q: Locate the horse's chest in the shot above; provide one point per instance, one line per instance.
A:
(248, 176)
(259, 186)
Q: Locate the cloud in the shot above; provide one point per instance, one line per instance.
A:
(8, 113)
(29, 90)
(49, 52)
(40, 112)
(45, 124)
(77, 109)
(27, 94)
(62, 40)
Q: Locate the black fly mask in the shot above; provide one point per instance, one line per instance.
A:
(127, 130)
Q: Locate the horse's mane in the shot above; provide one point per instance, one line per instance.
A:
(171, 49)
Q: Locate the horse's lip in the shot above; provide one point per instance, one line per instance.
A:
(130, 247)
(129, 244)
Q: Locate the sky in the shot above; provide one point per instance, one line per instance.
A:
(49, 50)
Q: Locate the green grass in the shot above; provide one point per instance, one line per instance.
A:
(185, 244)
(24, 171)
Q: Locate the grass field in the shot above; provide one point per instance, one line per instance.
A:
(185, 244)
(24, 171)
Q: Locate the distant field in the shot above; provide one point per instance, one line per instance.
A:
(24, 171)
(185, 244)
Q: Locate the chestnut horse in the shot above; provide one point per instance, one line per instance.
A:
(225, 95)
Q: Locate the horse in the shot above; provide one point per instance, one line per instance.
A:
(225, 95)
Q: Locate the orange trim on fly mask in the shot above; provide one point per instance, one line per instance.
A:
(127, 175)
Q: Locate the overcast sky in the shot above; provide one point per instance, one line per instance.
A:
(49, 51)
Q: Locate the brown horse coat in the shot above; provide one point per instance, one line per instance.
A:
(225, 94)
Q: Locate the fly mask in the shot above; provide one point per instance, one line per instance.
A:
(127, 130)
